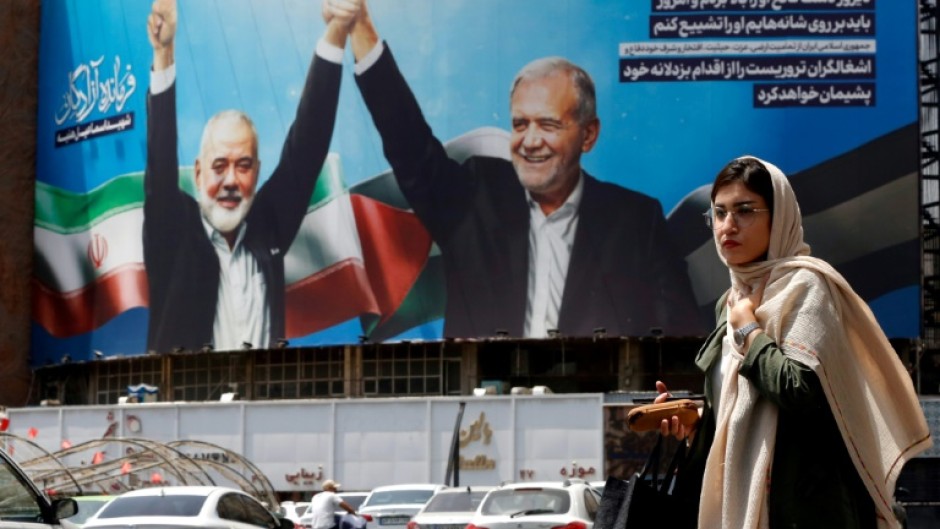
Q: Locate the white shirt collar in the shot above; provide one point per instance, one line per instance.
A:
(572, 203)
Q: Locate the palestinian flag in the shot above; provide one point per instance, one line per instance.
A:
(860, 213)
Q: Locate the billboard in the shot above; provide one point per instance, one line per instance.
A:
(827, 90)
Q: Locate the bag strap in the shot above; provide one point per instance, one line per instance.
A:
(652, 462)
(677, 460)
(665, 483)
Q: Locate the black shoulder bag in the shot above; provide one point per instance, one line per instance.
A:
(646, 500)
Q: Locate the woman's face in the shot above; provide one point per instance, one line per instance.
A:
(742, 224)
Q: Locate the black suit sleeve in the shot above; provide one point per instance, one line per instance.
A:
(436, 186)
(283, 200)
(167, 209)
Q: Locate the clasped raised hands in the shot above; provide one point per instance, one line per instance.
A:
(344, 11)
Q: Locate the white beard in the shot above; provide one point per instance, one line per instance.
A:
(223, 219)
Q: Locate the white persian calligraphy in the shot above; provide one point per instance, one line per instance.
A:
(90, 88)
(805, 95)
(719, 68)
(747, 25)
(773, 5)
(84, 132)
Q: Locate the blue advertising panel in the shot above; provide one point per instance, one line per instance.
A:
(336, 247)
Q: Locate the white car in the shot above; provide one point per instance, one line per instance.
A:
(568, 504)
(294, 510)
(450, 508)
(392, 506)
(197, 507)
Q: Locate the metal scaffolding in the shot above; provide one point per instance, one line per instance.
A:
(114, 465)
(929, 69)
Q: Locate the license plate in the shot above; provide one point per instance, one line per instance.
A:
(394, 520)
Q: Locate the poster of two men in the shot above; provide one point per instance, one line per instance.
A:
(252, 171)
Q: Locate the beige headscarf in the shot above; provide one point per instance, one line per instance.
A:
(813, 314)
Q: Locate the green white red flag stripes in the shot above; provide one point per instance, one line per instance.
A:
(360, 252)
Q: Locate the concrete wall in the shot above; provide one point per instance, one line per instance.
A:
(362, 443)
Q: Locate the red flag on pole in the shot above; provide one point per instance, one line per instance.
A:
(32, 433)
(126, 467)
(66, 444)
(98, 458)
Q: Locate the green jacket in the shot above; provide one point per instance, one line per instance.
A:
(813, 480)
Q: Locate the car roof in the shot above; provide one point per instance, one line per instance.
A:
(468, 488)
(411, 486)
(556, 484)
(454, 491)
(191, 490)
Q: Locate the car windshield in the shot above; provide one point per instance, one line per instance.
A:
(393, 497)
(354, 501)
(457, 501)
(175, 505)
(521, 502)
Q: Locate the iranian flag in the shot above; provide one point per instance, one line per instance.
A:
(360, 252)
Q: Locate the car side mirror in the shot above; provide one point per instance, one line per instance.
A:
(64, 507)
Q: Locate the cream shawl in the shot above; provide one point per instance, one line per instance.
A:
(813, 314)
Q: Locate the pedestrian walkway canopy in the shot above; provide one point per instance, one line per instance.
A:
(114, 465)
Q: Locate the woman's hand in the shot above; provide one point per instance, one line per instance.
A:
(743, 305)
(671, 426)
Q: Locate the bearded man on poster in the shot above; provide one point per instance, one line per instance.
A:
(215, 265)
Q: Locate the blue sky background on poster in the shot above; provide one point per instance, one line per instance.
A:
(252, 54)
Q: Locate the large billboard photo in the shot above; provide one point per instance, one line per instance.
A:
(235, 172)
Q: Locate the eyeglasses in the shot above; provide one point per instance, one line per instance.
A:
(743, 216)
